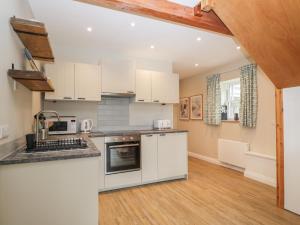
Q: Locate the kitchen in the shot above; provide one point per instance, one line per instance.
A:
(94, 128)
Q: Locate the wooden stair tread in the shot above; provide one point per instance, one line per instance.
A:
(33, 80)
(34, 37)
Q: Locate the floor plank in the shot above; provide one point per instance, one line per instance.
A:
(213, 195)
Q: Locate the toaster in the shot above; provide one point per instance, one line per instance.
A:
(162, 124)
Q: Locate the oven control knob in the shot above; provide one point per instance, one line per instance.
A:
(123, 139)
(131, 138)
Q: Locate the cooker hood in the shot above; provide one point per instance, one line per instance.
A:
(118, 95)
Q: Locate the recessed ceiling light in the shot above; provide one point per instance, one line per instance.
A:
(196, 64)
(132, 24)
(89, 29)
(199, 39)
(238, 47)
(152, 46)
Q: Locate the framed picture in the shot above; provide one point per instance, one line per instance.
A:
(196, 107)
(184, 108)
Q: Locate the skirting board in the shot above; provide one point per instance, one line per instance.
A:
(214, 161)
(261, 167)
(247, 172)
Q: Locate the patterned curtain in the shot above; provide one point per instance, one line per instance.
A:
(213, 101)
(248, 106)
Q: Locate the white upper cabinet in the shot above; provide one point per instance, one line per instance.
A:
(62, 78)
(118, 76)
(143, 86)
(74, 81)
(87, 82)
(172, 88)
(157, 87)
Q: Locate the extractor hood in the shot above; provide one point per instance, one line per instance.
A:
(118, 95)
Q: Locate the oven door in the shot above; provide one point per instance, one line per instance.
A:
(122, 157)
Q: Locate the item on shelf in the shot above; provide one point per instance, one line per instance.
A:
(224, 114)
(86, 125)
(236, 117)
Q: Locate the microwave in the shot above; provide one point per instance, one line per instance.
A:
(66, 125)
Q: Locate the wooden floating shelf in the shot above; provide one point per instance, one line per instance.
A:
(33, 80)
(34, 37)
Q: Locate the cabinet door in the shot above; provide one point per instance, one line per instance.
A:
(158, 87)
(62, 78)
(149, 158)
(87, 82)
(118, 76)
(172, 155)
(143, 85)
(99, 142)
(172, 88)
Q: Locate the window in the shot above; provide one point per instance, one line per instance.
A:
(230, 99)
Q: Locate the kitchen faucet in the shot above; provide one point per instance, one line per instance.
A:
(37, 120)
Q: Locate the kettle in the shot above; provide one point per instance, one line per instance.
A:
(86, 125)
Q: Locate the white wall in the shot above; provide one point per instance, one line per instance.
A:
(15, 105)
(203, 139)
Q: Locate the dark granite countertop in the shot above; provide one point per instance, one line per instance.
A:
(15, 152)
(133, 132)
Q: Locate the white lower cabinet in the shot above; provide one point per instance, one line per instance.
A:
(149, 158)
(172, 155)
(99, 143)
(120, 180)
(164, 156)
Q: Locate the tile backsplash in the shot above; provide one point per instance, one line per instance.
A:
(115, 113)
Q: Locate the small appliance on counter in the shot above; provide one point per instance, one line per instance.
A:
(162, 124)
(86, 125)
(66, 125)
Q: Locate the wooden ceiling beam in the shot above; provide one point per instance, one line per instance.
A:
(167, 11)
(197, 10)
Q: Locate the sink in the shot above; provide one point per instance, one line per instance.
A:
(58, 145)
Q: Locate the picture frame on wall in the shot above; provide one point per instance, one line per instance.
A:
(196, 107)
(184, 110)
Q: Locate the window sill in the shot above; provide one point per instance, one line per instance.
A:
(230, 121)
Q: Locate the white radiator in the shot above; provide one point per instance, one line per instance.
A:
(232, 152)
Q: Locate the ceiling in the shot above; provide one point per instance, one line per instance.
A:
(67, 23)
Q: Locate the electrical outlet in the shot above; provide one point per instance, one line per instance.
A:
(4, 132)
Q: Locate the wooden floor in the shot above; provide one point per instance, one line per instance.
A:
(212, 195)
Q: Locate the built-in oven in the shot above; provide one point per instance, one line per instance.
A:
(122, 154)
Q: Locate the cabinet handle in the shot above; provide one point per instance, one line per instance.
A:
(162, 135)
(130, 92)
(149, 135)
(141, 100)
(67, 98)
(81, 98)
(156, 101)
